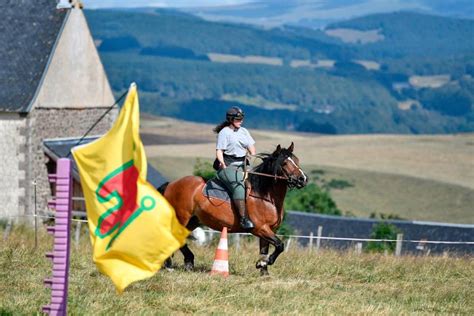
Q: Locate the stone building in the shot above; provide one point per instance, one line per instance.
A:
(52, 85)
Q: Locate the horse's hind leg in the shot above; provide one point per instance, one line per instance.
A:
(188, 257)
(168, 264)
(262, 263)
(187, 253)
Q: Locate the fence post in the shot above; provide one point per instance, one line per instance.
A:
(311, 236)
(358, 248)
(77, 234)
(237, 242)
(398, 248)
(288, 243)
(318, 241)
(8, 228)
(36, 216)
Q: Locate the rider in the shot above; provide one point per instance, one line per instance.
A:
(233, 142)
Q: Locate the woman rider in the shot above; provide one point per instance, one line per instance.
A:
(233, 142)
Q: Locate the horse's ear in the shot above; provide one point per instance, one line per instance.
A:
(292, 146)
(277, 150)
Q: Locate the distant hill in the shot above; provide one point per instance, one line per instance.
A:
(318, 14)
(408, 34)
(410, 73)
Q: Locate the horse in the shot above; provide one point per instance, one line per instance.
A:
(267, 185)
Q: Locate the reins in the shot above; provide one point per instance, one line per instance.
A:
(266, 175)
(259, 173)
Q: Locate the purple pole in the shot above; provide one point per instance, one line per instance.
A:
(60, 254)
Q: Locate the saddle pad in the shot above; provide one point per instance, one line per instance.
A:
(216, 189)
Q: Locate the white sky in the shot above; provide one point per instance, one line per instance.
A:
(93, 4)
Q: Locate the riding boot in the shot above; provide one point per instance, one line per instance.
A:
(245, 222)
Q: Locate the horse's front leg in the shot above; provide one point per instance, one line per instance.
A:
(279, 247)
(269, 236)
(262, 263)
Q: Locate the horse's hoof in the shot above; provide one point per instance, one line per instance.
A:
(189, 266)
(264, 272)
(261, 264)
(168, 264)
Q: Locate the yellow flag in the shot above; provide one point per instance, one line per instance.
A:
(133, 229)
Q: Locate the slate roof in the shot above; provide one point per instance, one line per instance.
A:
(28, 33)
(61, 147)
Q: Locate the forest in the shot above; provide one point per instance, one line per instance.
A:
(336, 91)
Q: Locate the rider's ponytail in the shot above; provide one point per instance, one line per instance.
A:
(219, 127)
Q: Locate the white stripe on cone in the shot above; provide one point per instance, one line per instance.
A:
(222, 244)
(220, 265)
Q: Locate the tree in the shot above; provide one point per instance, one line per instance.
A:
(311, 199)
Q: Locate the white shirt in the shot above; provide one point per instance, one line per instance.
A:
(234, 142)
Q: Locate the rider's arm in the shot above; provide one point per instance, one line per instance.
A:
(220, 157)
(251, 149)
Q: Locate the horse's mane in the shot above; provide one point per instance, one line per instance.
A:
(271, 165)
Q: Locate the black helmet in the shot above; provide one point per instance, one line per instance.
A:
(234, 113)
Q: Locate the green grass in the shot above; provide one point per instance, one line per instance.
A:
(328, 282)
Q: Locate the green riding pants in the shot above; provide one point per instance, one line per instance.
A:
(233, 179)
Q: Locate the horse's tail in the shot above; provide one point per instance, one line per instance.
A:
(162, 188)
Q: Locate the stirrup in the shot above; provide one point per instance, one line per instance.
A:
(246, 223)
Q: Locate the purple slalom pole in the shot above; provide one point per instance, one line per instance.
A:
(60, 255)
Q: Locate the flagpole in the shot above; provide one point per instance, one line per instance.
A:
(100, 118)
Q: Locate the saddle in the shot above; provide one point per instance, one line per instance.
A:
(214, 188)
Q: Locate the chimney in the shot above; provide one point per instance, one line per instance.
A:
(64, 4)
(69, 4)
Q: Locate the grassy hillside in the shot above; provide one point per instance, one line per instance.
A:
(415, 177)
(300, 283)
(407, 197)
(331, 91)
(370, 192)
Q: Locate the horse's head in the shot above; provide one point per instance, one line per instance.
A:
(289, 165)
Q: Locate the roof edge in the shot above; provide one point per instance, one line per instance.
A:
(45, 70)
(60, 139)
(51, 154)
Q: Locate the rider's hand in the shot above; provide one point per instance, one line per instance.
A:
(223, 166)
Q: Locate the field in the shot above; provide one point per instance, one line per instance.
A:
(301, 283)
(426, 177)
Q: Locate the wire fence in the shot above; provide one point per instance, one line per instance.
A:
(310, 237)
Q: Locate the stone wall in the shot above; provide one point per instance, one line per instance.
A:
(44, 123)
(12, 157)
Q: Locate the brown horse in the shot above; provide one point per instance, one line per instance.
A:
(266, 190)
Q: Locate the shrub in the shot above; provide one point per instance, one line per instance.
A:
(383, 230)
(386, 216)
(339, 184)
(311, 199)
(204, 169)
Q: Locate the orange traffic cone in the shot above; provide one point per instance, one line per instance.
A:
(221, 261)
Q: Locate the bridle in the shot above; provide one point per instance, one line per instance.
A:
(286, 177)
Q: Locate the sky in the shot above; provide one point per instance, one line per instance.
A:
(93, 4)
